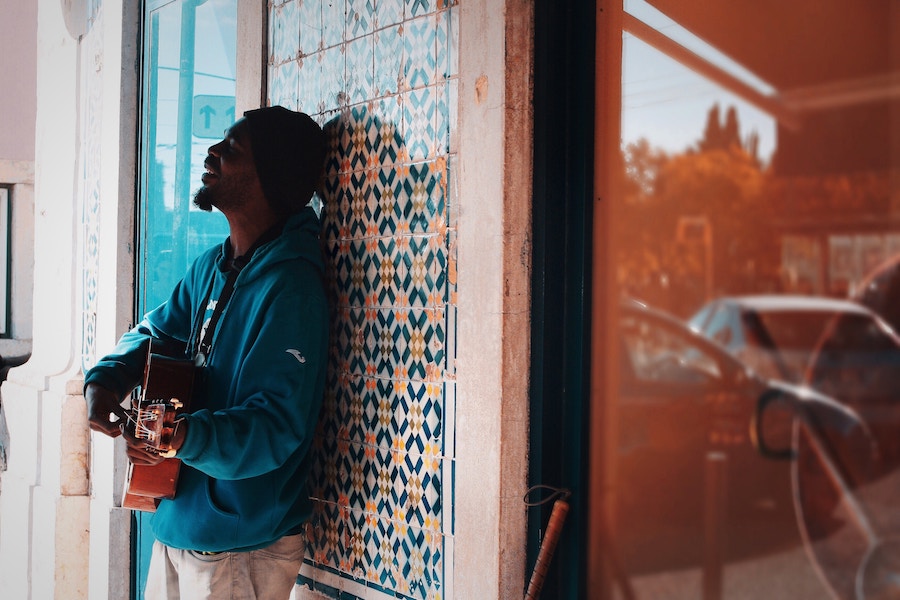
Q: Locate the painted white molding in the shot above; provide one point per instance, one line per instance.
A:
(252, 55)
(493, 346)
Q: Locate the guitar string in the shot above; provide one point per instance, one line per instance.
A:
(139, 417)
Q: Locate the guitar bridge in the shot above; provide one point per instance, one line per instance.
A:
(155, 423)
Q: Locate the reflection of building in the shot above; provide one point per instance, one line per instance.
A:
(833, 264)
(696, 235)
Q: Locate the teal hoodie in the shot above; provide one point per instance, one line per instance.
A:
(245, 459)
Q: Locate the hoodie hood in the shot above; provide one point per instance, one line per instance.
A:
(299, 240)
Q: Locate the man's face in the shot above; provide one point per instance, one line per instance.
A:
(230, 171)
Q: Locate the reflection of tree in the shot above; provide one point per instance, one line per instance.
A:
(719, 181)
(748, 208)
(717, 136)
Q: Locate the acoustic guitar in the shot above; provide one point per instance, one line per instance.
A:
(164, 396)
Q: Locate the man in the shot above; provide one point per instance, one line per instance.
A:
(233, 528)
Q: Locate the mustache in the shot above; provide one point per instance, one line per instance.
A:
(211, 163)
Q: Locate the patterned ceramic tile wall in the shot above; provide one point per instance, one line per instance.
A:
(92, 108)
(379, 76)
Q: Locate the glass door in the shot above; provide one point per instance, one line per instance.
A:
(188, 91)
(751, 438)
(188, 100)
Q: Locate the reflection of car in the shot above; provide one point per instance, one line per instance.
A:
(880, 291)
(777, 333)
(681, 392)
(684, 412)
(847, 485)
(857, 362)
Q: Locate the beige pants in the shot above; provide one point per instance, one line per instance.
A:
(265, 574)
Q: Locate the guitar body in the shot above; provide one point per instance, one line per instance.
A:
(164, 395)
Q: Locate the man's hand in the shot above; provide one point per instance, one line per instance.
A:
(137, 450)
(104, 409)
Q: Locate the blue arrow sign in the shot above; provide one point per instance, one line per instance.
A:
(212, 115)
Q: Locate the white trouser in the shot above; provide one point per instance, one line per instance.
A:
(265, 574)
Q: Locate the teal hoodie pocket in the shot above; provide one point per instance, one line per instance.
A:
(193, 520)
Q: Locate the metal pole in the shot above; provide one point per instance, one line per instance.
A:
(183, 144)
(714, 523)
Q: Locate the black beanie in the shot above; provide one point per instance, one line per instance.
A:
(289, 153)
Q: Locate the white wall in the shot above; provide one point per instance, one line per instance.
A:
(494, 322)
(18, 72)
(18, 43)
(51, 510)
(44, 500)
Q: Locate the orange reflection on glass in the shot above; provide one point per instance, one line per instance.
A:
(760, 215)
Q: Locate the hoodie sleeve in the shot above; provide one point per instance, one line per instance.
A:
(278, 394)
(122, 369)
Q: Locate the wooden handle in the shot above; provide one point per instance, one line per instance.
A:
(548, 546)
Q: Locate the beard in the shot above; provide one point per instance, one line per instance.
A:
(203, 199)
(226, 192)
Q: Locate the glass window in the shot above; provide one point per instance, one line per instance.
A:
(721, 329)
(188, 99)
(761, 156)
(660, 354)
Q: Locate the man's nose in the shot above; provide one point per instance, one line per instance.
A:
(214, 149)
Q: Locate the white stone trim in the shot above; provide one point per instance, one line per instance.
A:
(493, 351)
